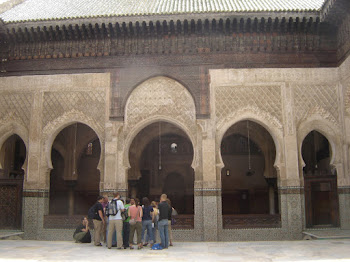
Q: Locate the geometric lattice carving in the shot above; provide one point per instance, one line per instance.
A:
(231, 99)
(347, 98)
(316, 99)
(91, 103)
(16, 106)
(160, 96)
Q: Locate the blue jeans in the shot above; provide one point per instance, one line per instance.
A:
(163, 232)
(154, 233)
(147, 225)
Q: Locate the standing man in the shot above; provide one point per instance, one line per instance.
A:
(105, 229)
(164, 211)
(99, 221)
(116, 223)
(126, 225)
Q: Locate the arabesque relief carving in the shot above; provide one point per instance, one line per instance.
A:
(260, 100)
(16, 107)
(316, 100)
(160, 96)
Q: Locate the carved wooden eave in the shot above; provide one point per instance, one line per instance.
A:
(310, 36)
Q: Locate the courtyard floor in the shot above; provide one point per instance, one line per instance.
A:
(312, 250)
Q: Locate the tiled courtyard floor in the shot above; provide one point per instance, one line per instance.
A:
(314, 250)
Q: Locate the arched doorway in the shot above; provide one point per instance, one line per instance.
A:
(12, 157)
(320, 182)
(74, 179)
(174, 187)
(249, 179)
(160, 157)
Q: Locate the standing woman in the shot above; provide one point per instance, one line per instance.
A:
(155, 220)
(135, 214)
(169, 222)
(147, 219)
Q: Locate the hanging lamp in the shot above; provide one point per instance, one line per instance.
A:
(250, 172)
(75, 149)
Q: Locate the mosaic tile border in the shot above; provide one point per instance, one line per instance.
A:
(343, 190)
(36, 193)
(291, 190)
(207, 192)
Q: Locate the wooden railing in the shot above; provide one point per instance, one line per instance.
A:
(251, 221)
(183, 222)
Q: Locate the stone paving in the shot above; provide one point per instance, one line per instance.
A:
(315, 250)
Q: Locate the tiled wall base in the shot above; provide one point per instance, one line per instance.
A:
(207, 222)
(185, 235)
(254, 234)
(67, 235)
(344, 204)
(33, 216)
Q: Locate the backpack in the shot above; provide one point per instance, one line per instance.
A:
(125, 214)
(111, 208)
(92, 213)
(157, 246)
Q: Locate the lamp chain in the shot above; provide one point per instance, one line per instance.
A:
(249, 160)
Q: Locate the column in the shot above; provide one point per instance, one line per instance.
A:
(36, 182)
(114, 171)
(209, 188)
(290, 190)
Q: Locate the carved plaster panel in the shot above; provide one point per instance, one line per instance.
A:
(346, 91)
(16, 107)
(91, 103)
(261, 100)
(160, 96)
(316, 100)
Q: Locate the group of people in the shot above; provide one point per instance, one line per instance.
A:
(117, 222)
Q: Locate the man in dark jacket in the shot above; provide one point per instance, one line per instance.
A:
(99, 221)
(82, 233)
(164, 211)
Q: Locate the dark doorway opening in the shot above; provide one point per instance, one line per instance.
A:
(249, 179)
(74, 179)
(320, 183)
(161, 156)
(12, 157)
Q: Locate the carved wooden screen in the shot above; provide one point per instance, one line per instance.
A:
(321, 201)
(10, 204)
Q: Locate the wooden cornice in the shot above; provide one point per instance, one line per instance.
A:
(161, 28)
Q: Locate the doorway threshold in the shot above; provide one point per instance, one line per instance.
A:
(11, 234)
(326, 233)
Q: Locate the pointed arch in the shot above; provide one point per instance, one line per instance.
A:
(55, 127)
(272, 129)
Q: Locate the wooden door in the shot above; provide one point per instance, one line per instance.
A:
(11, 204)
(321, 201)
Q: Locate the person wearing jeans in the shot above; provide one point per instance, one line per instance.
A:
(126, 225)
(164, 210)
(147, 220)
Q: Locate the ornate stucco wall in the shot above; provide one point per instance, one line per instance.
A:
(288, 103)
